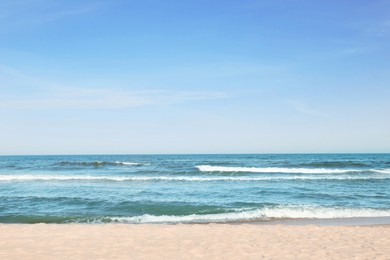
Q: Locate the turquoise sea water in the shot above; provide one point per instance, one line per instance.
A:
(192, 188)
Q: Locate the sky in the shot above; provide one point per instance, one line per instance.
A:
(194, 76)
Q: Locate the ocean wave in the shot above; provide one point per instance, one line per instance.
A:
(210, 168)
(128, 163)
(334, 164)
(267, 213)
(178, 178)
(97, 163)
(385, 171)
(237, 215)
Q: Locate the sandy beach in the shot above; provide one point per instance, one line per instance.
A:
(186, 241)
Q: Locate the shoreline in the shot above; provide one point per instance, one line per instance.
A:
(189, 241)
(350, 221)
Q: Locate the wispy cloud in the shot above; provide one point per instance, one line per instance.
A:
(303, 108)
(10, 71)
(12, 78)
(44, 94)
(353, 51)
(380, 29)
(79, 98)
(33, 12)
(373, 28)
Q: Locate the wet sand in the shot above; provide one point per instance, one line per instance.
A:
(357, 221)
(192, 241)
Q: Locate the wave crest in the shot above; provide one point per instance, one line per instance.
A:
(97, 163)
(280, 212)
(209, 168)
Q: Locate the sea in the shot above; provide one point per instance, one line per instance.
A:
(222, 188)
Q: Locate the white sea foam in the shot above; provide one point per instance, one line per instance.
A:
(97, 163)
(385, 171)
(177, 178)
(128, 163)
(281, 212)
(209, 168)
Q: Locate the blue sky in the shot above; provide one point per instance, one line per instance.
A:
(250, 76)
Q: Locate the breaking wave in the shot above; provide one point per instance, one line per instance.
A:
(210, 168)
(97, 163)
(238, 215)
(280, 212)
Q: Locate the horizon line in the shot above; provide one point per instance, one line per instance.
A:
(132, 154)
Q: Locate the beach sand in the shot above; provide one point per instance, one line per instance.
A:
(190, 241)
